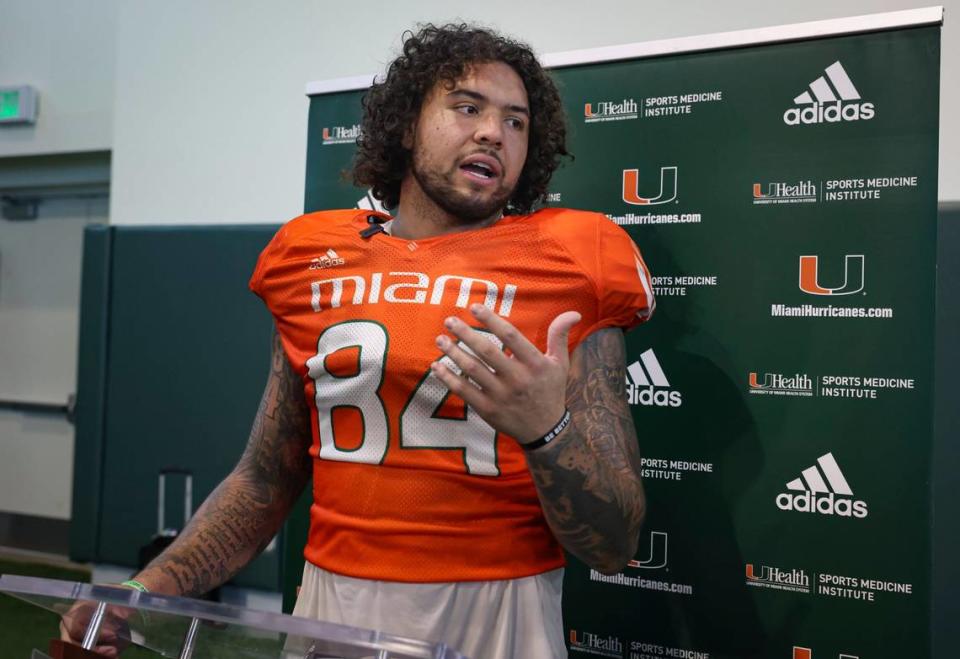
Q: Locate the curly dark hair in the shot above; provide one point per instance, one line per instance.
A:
(444, 53)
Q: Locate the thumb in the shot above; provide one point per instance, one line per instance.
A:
(557, 336)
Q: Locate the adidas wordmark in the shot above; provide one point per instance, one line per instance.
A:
(824, 490)
(829, 102)
(648, 385)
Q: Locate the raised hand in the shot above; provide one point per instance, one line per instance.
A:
(521, 394)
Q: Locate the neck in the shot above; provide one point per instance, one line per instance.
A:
(418, 216)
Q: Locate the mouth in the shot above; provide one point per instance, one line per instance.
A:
(481, 167)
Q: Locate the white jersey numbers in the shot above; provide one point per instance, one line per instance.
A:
(357, 391)
(421, 424)
(421, 427)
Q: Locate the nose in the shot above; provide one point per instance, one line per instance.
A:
(489, 130)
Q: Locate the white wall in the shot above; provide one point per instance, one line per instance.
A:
(36, 473)
(210, 116)
(64, 48)
(40, 300)
(39, 321)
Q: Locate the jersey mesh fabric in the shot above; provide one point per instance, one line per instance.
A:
(409, 484)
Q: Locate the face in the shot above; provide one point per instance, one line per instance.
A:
(470, 142)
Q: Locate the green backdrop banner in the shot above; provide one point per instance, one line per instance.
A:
(784, 197)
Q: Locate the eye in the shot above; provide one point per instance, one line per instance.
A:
(466, 108)
(516, 123)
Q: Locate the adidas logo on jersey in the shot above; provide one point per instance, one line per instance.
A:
(328, 260)
(647, 385)
(830, 102)
(824, 491)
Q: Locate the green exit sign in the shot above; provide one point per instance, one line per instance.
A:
(18, 105)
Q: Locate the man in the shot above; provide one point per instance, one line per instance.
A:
(424, 377)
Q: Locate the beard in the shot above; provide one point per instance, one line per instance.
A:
(470, 207)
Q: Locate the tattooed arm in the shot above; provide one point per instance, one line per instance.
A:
(245, 511)
(588, 479)
(239, 517)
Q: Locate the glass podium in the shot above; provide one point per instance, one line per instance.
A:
(194, 629)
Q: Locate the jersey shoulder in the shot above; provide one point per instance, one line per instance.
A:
(584, 235)
(324, 223)
(567, 220)
(312, 234)
(609, 257)
(330, 227)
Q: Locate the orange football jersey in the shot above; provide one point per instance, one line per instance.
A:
(409, 483)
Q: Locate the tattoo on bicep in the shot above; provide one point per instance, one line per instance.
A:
(590, 484)
(281, 434)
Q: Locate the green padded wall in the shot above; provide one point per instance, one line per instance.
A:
(174, 356)
(91, 381)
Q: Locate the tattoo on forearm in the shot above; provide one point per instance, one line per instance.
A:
(243, 513)
(589, 483)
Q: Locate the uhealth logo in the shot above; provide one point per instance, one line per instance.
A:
(824, 491)
(647, 384)
(605, 646)
(807, 653)
(852, 276)
(778, 578)
(657, 556)
(341, 134)
(668, 187)
(785, 193)
(778, 384)
(610, 111)
(830, 102)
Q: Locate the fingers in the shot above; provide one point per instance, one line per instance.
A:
(512, 338)
(469, 365)
(514, 393)
(461, 387)
(523, 350)
(558, 335)
(484, 345)
(114, 632)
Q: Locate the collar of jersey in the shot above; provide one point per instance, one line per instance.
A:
(504, 220)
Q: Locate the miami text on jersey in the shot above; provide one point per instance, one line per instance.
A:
(408, 288)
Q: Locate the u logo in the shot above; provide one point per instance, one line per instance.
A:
(668, 187)
(852, 276)
(755, 382)
(658, 553)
